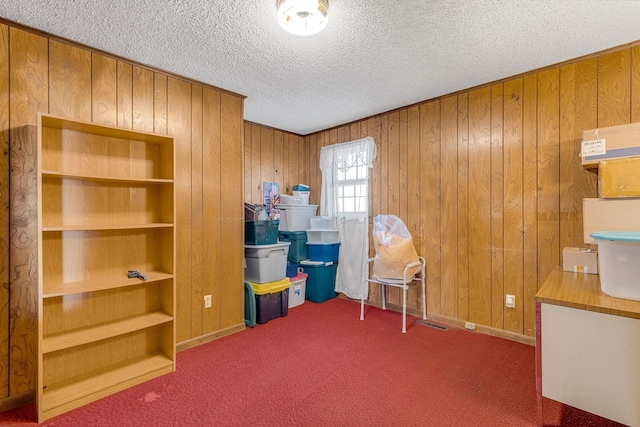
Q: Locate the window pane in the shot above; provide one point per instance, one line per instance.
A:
(362, 172)
(351, 173)
(348, 190)
(349, 205)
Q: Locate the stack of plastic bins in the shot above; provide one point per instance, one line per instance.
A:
(272, 299)
(323, 242)
(265, 264)
(323, 248)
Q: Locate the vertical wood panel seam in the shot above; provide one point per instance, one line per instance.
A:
(597, 92)
(202, 202)
(190, 203)
(522, 186)
(440, 255)
(220, 190)
(91, 85)
(9, 222)
(491, 155)
(537, 211)
(630, 85)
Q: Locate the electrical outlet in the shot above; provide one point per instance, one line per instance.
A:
(510, 301)
(207, 301)
(470, 326)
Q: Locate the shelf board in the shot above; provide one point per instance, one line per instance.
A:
(101, 284)
(51, 121)
(102, 331)
(83, 177)
(86, 388)
(95, 227)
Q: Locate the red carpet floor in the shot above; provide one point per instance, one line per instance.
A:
(322, 366)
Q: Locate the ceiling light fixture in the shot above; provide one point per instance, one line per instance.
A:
(302, 17)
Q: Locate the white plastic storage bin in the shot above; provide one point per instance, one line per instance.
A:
(266, 263)
(619, 263)
(303, 195)
(296, 217)
(287, 199)
(322, 223)
(322, 236)
(297, 289)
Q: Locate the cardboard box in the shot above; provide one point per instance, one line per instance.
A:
(580, 260)
(614, 142)
(609, 215)
(619, 178)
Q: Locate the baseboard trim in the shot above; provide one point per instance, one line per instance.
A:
(449, 321)
(203, 339)
(17, 400)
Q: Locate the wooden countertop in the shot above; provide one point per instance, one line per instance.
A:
(582, 291)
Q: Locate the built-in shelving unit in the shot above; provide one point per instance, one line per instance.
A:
(106, 206)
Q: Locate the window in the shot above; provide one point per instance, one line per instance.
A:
(352, 184)
(345, 195)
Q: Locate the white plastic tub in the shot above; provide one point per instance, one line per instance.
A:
(304, 195)
(266, 263)
(322, 223)
(619, 263)
(287, 199)
(297, 289)
(296, 217)
(322, 236)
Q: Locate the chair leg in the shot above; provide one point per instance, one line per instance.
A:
(384, 302)
(404, 309)
(424, 299)
(364, 283)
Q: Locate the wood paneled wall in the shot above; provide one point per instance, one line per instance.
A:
(272, 155)
(43, 73)
(490, 183)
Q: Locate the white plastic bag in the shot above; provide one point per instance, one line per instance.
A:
(394, 248)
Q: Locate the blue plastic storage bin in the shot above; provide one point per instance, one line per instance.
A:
(321, 251)
(292, 269)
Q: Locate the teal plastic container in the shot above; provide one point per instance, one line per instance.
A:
(263, 232)
(298, 249)
(321, 280)
(249, 305)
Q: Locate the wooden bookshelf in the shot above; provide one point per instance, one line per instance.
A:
(106, 206)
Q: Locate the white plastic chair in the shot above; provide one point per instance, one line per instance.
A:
(404, 283)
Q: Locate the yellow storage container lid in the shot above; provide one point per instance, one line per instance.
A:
(271, 287)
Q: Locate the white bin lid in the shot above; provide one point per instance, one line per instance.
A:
(294, 207)
(263, 251)
(625, 236)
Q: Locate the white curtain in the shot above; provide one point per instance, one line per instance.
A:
(338, 161)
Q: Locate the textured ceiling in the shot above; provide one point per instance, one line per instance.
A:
(373, 56)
